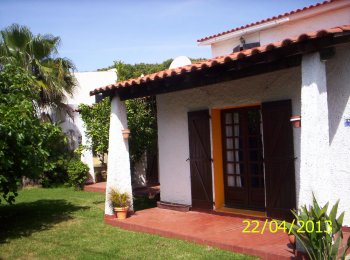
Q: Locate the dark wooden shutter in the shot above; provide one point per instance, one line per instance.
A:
(200, 159)
(279, 159)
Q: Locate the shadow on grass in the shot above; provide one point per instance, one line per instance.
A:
(25, 218)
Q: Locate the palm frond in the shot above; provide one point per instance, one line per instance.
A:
(38, 54)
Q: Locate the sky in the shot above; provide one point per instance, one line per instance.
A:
(95, 33)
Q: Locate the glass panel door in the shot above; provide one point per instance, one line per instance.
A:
(243, 160)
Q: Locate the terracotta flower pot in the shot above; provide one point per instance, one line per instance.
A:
(122, 212)
(292, 240)
(126, 133)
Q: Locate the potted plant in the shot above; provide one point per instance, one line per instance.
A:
(319, 233)
(120, 202)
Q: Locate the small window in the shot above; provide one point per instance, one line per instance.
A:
(251, 45)
(98, 98)
(246, 46)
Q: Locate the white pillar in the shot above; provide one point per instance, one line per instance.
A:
(87, 156)
(118, 172)
(314, 145)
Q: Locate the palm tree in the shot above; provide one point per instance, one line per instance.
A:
(38, 54)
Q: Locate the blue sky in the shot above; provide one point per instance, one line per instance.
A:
(95, 33)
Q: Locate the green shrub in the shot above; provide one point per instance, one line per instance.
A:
(119, 199)
(319, 233)
(77, 173)
(55, 167)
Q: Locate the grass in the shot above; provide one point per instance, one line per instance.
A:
(61, 223)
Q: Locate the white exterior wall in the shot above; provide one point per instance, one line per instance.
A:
(86, 81)
(174, 170)
(325, 168)
(338, 84)
(310, 24)
(329, 181)
(314, 168)
(307, 21)
(226, 47)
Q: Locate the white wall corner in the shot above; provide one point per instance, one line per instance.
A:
(118, 172)
(314, 145)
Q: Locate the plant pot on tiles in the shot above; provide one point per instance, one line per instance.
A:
(120, 202)
(292, 240)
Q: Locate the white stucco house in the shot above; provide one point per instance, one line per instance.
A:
(74, 127)
(225, 136)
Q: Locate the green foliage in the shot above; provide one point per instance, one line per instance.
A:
(37, 54)
(142, 121)
(77, 173)
(96, 122)
(55, 168)
(141, 112)
(21, 146)
(127, 71)
(28, 147)
(319, 232)
(119, 199)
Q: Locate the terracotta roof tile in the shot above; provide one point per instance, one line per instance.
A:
(265, 20)
(222, 59)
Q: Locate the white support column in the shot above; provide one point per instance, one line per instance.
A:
(118, 172)
(314, 145)
(88, 158)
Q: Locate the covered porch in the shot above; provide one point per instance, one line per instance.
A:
(296, 72)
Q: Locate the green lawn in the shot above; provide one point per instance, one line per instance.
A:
(65, 224)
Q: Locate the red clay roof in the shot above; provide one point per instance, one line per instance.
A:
(222, 59)
(266, 20)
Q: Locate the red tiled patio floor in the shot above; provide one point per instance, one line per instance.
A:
(219, 231)
(141, 191)
(96, 187)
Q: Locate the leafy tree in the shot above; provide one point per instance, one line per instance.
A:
(96, 122)
(38, 54)
(142, 121)
(21, 153)
(28, 147)
(127, 71)
(141, 112)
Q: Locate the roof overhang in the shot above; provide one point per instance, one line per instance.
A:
(272, 57)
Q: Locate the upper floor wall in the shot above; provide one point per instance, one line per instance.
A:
(321, 17)
(87, 81)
